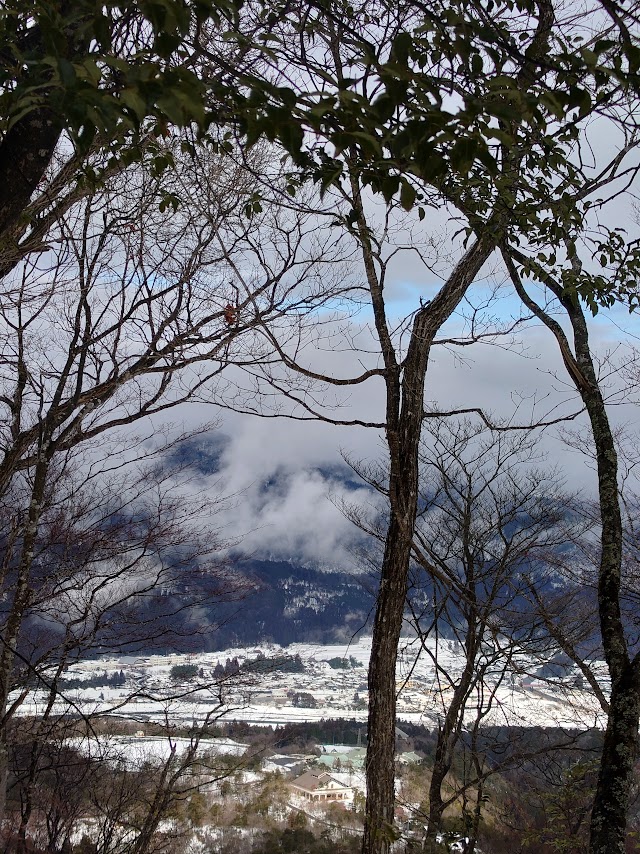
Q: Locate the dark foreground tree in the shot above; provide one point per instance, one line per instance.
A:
(620, 748)
(84, 79)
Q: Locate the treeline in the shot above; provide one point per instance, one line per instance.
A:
(294, 736)
(101, 680)
(297, 840)
(260, 664)
(344, 663)
(271, 609)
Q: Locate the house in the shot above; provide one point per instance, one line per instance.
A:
(409, 757)
(349, 757)
(320, 786)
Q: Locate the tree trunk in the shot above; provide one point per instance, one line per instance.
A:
(611, 802)
(403, 497)
(16, 610)
(25, 153)
(28, 146)
(378, 830)
(405, 411)
(619, 753)
(448, 738)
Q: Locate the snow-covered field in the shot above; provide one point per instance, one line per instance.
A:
(137, 751)
(426, 678)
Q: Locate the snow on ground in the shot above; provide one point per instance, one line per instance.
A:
(134, 751)
(270, 698)
(354, 779)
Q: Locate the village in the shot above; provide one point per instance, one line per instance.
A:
(233, 784)
(160, 709)
(272, 740)
(274, 685)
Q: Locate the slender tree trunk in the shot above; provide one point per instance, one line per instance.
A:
(611, 802)
(447, 740)
(449, 732)
(405, 410)
(620, 749)
(472, 832)
(11, 630)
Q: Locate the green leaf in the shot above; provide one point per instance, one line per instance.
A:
(463, 153)
(367, 142)
(407, 195)
(330, 175)
(401, 48)
(132, 99)
(67, 72)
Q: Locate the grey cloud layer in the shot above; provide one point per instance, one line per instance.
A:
(283, 507)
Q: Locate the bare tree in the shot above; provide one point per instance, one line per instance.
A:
(489, 519)
(488, 516)
(118, 564)
(126, 313)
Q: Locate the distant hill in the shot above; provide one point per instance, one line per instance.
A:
(285, 603)
(266, 601)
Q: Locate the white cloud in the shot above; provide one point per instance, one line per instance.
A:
(281, 505)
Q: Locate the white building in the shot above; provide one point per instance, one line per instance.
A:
(320, 786)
